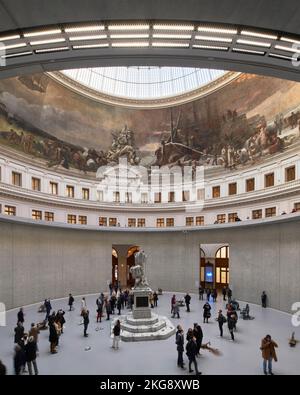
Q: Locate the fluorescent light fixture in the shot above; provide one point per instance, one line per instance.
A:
(210, 47)
(129, 27)
(129, 35)
(15, 55)
(174, 45)
(93, 37)
(85, 28)
(254, 43)
(288, 49)
(216, 30)
(257, 34)
(289, 40)
(12, 46)
(58, 49)
(173, 27)
(53, 41)
(275, 55)
(87, 46)
(131, 44)
(42, 33)
(248, 51)
(12, 37)
(212, 38)
(175, 36)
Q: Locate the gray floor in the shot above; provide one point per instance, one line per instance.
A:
(157, 357)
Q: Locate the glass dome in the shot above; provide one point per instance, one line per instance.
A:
(147, 82)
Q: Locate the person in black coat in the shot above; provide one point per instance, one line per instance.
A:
(116, 333)
(198, 334)
(231, 324)
(70, 302)
(30, 352)
(221, 321)
(61, 319)
(187, 299)
(2, 369)
(48, 308)
(155, 298)
(264, 299)
(206, 312)
(180, 346)
(21, 316)
(86, 321)
(53, 336)
(119, 305)
(224, 293)
(191, 352)
(19, 332)
(19, 360)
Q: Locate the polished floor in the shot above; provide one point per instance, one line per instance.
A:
(94, 355)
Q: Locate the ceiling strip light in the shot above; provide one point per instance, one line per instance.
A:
(42, 33)
(54, 41)
(86, 28)
(131, 44)
(275, 55)
(14, 55)
(248, 51)
(288, 49)
(210, 47)
(129, 36)
(173, 27)
(257, 34)
(59, 49)
(87, 46)
(12, 46)
(93, 37)
(289, 40)
(175, 36)
(211, 38)
(129, 27)
(216, 30)
(12, 37)
(254, 43)
(165, 44)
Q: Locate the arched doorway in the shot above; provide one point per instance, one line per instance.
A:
(122, 261)
(222, 267)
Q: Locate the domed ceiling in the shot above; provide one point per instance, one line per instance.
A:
(237, 124)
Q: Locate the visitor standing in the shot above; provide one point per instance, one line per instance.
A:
(86, 321)
(180, 346)
(268, 353)
(83, 305)
(53, 336)
(208, 293)
(229, 294)
(30, 352)
(206, 312)
(116, 333)
(191, 352)
(201, 292)
(264, 299)
(21, 316)
(173, 302)
(176, 310)
(221, 321)
(198, 334)
(48, 308)
(224, 292)
(107, 308)
(231, 324)
(34, 332)
(70, 302)
(19, 360)
(2, 369)
(119, 305)
(187, 300)
(19, 332)
(155, 298)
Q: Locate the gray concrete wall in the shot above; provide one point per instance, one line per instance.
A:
(42, 261)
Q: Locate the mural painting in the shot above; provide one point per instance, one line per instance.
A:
(242, 123)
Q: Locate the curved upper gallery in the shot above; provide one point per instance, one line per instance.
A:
(231, 152)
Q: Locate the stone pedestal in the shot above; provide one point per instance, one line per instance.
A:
(141, 307)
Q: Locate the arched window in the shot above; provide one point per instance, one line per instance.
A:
(223, 252)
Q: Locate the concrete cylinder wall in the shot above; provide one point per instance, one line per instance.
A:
(45, 261)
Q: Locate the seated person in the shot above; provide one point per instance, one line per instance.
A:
(235, 304)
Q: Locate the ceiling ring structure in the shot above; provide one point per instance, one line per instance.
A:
(150, 43)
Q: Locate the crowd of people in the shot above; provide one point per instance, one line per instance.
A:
(112, 303)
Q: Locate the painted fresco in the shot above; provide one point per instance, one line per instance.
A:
(242, 123)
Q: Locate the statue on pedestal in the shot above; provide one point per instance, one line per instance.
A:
(138, 271)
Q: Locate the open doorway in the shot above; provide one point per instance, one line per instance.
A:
(122, 261)
(214, 266)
